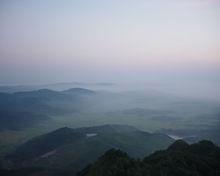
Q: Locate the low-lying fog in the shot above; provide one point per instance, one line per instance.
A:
(189, 110)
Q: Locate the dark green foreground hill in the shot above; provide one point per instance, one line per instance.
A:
(180, 159)
(70, 150)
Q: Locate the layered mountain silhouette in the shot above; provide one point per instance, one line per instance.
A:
(180, 158)
(72, 149)
(25, 109)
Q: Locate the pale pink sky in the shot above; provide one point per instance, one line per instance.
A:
(58, 40)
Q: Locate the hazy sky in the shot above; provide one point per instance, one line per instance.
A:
(108, 40)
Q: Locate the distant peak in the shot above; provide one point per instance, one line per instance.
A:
(178, 145)
(45, 90)
(79, 90)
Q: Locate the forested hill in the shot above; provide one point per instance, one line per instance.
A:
(180, 159)
(73, 149)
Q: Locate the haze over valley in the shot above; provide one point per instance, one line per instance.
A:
(109, 88)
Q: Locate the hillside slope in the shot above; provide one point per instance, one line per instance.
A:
(73, 149)
(25, 109)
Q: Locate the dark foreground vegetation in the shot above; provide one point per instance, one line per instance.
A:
(179, 159)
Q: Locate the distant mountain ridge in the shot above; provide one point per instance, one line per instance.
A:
(24, 109)
(78, 90)
(53, 86)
